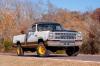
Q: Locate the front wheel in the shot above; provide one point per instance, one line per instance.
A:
(19, 50)
(72, 51)
(41, 50)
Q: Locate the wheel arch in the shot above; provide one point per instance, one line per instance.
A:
(40, 40)
(18, 43)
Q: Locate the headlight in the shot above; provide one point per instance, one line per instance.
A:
(79, 34)
(51, 35)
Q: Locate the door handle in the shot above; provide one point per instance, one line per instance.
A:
(35, 35)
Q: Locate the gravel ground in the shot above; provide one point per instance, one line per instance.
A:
(6, 60)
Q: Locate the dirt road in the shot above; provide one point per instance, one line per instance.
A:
(52, 60)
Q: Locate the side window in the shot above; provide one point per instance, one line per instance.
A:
(34, 28)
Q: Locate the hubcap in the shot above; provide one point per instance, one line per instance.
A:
(41, 50)
(18, 51)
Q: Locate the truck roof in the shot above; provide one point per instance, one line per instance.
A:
(46, 23)
(53, 23)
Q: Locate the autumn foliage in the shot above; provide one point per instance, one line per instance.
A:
(17, 16)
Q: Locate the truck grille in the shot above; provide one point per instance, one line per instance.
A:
(65, 35)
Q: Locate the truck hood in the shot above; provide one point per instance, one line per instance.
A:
(64, 31)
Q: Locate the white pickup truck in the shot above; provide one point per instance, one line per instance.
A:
(48, 36)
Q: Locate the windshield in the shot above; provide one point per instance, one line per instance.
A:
(50, 27)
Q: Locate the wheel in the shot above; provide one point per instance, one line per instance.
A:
(41, 50)
(72, 51)
(19, 50)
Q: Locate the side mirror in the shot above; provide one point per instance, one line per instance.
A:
(30, 30)
(22, 32)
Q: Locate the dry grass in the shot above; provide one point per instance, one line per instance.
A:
(29, 61)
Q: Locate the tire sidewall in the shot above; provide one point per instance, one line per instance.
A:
(72, 51)
(19, 50)
(38, 53)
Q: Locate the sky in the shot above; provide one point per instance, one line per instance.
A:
(76, 5)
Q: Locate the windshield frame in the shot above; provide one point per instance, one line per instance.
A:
(53, 26)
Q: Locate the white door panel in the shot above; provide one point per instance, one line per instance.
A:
(32, 37)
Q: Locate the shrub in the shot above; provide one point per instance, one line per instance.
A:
(60, 52)
(7, 45)
(89, 47)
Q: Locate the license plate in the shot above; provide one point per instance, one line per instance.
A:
(69, 44)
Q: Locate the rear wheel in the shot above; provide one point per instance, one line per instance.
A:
(19, 50)
(41, 50)
(72, 51)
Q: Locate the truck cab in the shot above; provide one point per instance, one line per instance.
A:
(48, 36)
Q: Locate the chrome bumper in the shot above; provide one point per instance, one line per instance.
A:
(64, 43)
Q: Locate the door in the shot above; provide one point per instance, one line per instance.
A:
(32, 35)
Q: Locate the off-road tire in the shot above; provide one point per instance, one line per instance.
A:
(19, 50)
(72, 51)
(41, 50)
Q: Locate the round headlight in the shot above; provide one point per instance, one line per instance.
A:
(79, 34)
(51, 35)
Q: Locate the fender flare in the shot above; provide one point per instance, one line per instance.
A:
(40, 40)
(18, 43)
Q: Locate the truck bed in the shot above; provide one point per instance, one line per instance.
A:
(20, 38)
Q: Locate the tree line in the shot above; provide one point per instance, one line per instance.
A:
(17, 16)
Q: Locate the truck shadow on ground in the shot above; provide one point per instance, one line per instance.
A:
(46, 56)
(34, 55)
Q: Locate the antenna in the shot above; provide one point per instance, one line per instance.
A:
(48, 10)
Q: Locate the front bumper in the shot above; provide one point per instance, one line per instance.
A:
(64, 43)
